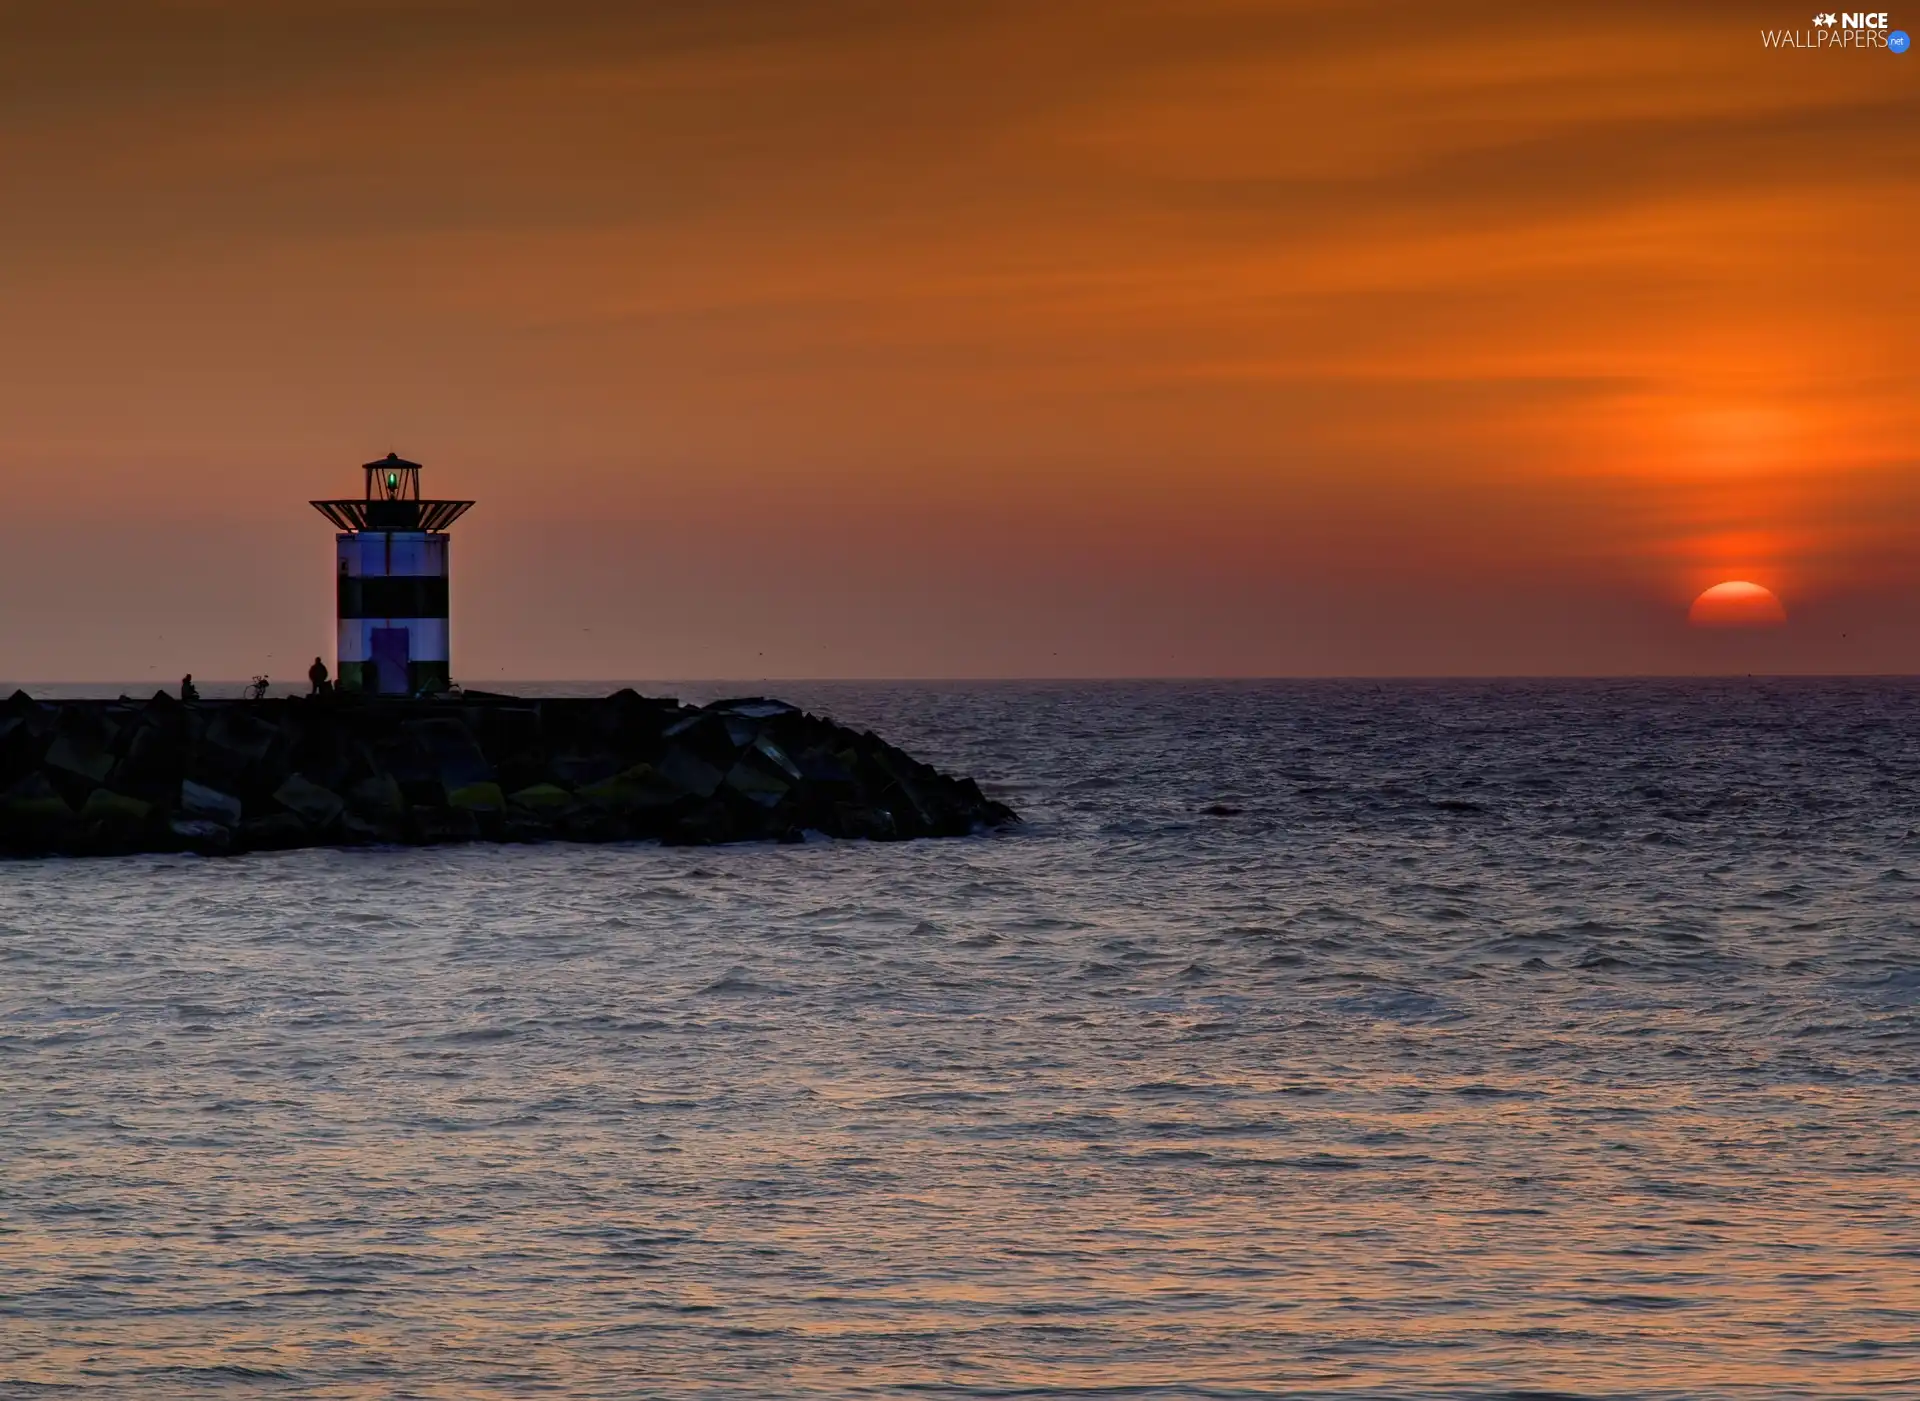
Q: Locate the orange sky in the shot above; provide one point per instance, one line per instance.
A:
(811, 339)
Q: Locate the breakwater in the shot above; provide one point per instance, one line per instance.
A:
(115, 776)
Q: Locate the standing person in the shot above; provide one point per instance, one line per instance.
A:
(188, 691)
(317, 674)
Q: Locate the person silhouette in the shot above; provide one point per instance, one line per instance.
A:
(317, 674)
(188, 691)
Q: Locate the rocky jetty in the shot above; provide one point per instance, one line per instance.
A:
(100, 777)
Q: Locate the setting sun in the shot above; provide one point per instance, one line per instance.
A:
(1737, 603)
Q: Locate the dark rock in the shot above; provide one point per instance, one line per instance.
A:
(115, 811)
(510, 736)
(711, 823)
(820, 766)
(21, 750)
(856, 820)
(754, 783)
(641, 788)
(356, 830)
(207, 838)
(689, 773)
(34, 798)
(481, 797)
(590, 824)
(378, 797)
(279, 831)
(212, 776)
(73, 788)
(753, 708)
(708, 738)
(544, 801)
(451, 753)
(197, 800)
(150, 767)
(229, 751)
(524, 827)
(448, 824)
(577, 770)
(314, 805)
(82, 745)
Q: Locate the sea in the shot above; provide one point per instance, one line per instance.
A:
(1505, 1039)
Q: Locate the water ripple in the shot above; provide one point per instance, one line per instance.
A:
(1501, 1040)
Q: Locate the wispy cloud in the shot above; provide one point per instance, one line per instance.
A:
(1595, 294)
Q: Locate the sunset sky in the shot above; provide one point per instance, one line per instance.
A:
(1138, 337)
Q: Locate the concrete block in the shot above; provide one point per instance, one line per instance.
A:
(198, 800)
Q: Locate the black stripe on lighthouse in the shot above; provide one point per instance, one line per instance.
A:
(393, 596)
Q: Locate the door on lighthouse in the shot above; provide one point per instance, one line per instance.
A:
(390, 656)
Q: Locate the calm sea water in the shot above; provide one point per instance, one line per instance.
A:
(1484, 1040)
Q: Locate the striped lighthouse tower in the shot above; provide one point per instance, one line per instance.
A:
(392, 578)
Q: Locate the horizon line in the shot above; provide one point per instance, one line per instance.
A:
(8, 687)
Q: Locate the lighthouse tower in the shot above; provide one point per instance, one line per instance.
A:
(392, 565)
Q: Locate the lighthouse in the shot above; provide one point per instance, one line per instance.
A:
(392, 578)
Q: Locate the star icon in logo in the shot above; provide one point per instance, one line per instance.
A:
(1826, 20)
